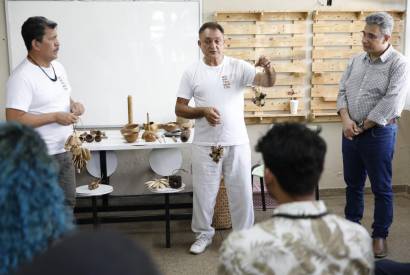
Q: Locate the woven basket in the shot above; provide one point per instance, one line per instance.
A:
(222, 217)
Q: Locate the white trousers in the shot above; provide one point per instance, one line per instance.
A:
(235, 166)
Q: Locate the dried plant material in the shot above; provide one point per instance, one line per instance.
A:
(80, 154)
(157, 184)
(94, 184)
(259, 99)
(216, 153)
(185, 133)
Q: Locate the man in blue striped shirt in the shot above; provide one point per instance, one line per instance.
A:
(371, 97)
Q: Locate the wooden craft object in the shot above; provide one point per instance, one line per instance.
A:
(130, 113)
(149, 135)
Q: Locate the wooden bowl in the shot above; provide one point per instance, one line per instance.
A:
(153, 126)
(130, 128)
(130, 137)
(149, 136)
(170, 126)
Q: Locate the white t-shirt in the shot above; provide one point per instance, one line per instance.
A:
(30, 90)
(220, 87)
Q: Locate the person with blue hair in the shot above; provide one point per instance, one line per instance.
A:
(33, 210)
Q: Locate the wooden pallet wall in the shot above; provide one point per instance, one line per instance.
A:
(284, 37)
(280, 36)
(336, 38)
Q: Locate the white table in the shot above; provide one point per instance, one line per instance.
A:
(115, 142)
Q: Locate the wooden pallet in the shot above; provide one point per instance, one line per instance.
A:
(281, 37)
(336, 38)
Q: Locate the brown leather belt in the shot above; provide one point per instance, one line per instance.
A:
(392, 121)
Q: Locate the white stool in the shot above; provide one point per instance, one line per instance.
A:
(83, 191)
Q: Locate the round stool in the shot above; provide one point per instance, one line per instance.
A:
(83, 191)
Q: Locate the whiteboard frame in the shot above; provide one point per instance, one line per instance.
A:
(10, 51)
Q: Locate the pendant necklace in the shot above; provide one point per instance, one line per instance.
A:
(55, 75)
(217, 151)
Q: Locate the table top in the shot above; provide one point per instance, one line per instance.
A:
(115, 141)
(83, 191)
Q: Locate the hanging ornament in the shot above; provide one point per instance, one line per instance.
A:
(80, 154)
(259, 98)
(216, 153)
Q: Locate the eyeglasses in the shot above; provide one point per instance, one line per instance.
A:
(370, 36)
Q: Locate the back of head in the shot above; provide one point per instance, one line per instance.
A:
(295, 156)
(34, 29)
(32, 206)
(102, 253)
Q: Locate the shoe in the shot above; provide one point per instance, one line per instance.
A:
(200, 245)
(379, 247)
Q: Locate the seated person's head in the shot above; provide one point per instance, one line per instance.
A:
(96, 252)
(294, 157)
(33, 213)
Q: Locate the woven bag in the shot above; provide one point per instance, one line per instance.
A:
(222, 216)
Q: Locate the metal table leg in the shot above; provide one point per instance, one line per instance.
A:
(95, 211)
(104, 177)
(167, 222)
(263, 194)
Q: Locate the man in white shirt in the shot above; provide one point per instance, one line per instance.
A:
(302, 237)
(221, 144)
(38, 95)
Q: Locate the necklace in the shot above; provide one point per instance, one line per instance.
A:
(54, 79)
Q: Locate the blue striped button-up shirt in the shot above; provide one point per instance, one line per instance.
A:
(375, 90)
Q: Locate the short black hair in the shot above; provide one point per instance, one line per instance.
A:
(35, 28)
(212, 26)
(295, 155)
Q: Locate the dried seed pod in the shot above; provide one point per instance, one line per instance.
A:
(89, 138)
(94, 184)
(185, 133)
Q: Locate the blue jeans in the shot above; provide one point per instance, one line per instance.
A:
(370, 153)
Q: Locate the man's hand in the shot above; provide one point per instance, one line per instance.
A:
(350, 129)
(64, 118)
(77, 108)
(268, 77)
(212, 116)
(263, 62)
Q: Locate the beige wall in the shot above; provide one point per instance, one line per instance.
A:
(133, 167)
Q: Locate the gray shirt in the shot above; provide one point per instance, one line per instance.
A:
(375, 90)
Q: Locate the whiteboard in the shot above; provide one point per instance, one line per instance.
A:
(114, 49)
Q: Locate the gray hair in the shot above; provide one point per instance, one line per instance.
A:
(383, 20)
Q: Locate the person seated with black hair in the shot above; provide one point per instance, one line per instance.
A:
(302, 237)
(96, 252)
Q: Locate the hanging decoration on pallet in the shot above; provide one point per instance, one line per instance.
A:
(259, 98)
